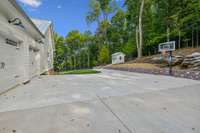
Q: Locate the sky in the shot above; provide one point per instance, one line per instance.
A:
(66, 15)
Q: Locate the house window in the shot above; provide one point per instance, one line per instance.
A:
(11, 42)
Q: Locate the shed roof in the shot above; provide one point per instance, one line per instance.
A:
(42, 25)
(118, 53)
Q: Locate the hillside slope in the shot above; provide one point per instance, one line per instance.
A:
(183, 66)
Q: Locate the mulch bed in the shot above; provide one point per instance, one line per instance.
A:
(195, 75)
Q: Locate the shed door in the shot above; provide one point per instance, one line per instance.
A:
(9, 64)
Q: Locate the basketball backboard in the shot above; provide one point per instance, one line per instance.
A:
(167, 46)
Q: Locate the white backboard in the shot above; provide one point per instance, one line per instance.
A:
(167, 46)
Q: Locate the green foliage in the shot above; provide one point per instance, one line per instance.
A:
(116, 31)
(130, 50)
(100, 10)
(95, 11)
(104, 55)
(59, 53)
(180, 17)
(74, 39)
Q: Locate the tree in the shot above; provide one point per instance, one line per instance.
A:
(104, 55)
(140, 46)
(136, 30)
(135, 9)
(94, 13)
(129, 49)
(99, 12)
(59, 52)
(117, 32)
(101, 33)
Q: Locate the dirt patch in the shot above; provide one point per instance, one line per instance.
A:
(180, 52)
(136, 65)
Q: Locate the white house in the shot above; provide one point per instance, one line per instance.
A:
(47, 49)
(26, 49)
(118, 58)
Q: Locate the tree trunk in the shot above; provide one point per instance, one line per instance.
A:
(197, 36)
(74, 62)
(168, 34)
(192, 38)
(141, 29)
(71, 63)
(88, 59)
(79, 62)
(137, 40)
(179, 40)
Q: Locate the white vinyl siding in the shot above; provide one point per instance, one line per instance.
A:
(20, 63)
(9, 69)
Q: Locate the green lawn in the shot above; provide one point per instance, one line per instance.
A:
(82, 71)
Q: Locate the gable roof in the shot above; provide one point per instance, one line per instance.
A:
(118, 53)
(42, 25)
(15, 4)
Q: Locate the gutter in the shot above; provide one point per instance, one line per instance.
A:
(14, 3)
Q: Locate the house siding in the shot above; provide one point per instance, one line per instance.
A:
(21, 63)
(9, 70)
(47, 52)
(15, 58)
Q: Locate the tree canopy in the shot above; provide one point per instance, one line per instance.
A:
(135, 29)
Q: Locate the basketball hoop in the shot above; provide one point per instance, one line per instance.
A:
(166, 50)
(167, 46)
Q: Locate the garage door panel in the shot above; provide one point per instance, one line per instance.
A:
(9, 72)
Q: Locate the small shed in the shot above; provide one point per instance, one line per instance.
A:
(118, 58)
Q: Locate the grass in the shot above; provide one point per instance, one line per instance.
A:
(82, 71)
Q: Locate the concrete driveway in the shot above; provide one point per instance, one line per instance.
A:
(110, 102)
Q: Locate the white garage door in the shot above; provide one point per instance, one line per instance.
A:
(9, 64)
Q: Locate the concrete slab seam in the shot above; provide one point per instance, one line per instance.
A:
(108, 107)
